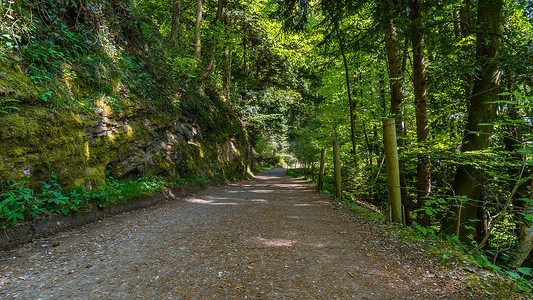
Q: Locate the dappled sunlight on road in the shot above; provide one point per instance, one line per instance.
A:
(199, 201)
(273, 242)
(213, 201)
(304, 204)
(259, 201)
(261, 191)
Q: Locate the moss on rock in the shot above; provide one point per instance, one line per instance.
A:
(14, 83)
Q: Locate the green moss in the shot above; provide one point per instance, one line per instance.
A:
(95, 175)
(162, 164)
(37, 140)
(15, 82)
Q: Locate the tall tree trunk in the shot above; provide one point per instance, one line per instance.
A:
(244, 54)
(369, 150)
(347, 77)
(381, 78)
(481, 114)
(197, 30)
(456, 29)
(423, 167)
(395, 71)
(175, 20)
(464, 15)
(368, 145)
(220, 9)
(226, 80)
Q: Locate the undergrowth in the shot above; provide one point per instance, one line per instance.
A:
(79, 52)
(22, 202)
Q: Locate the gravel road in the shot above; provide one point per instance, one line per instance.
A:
(271, 237)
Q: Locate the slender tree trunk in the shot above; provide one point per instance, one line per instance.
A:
(456, 30)
(226, 80)
(481, 114)
(175, 20)
(368, 146)
(423, 168)
(337, 169)
(395, 71)
(381, 78)
(320, 184)
(464, 15)
(197, 30)
(347, 76)
(244, 54)
(220, 9)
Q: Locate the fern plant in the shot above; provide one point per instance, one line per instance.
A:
(7, 105)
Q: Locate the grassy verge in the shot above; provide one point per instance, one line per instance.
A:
(24, 203)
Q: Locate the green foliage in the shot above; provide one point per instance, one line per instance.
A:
(16, 203)
(182, 66)
(7, 105)
(23, 203)
(425, 231)
(52, 198)
(70, 49)
(521, 276)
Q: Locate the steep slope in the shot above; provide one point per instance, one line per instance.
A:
(87, 99)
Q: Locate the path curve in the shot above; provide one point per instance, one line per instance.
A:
(271, 237)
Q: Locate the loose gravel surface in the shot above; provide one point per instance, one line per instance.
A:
(271, 237)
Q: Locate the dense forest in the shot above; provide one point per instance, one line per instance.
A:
(261, 83)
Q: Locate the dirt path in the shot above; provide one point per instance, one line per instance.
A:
(268, 238)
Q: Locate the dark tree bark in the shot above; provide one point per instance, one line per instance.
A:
(465, 16)
(395, 71)
(175, 20)
(481, 114)
(381, 78)
(226, 80)
(423, 168)
(197, 30)
(244, 54)
(368, 146)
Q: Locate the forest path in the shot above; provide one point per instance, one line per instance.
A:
(271, 237)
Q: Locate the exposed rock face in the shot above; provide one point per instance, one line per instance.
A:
(81, 149)
(227, 151)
